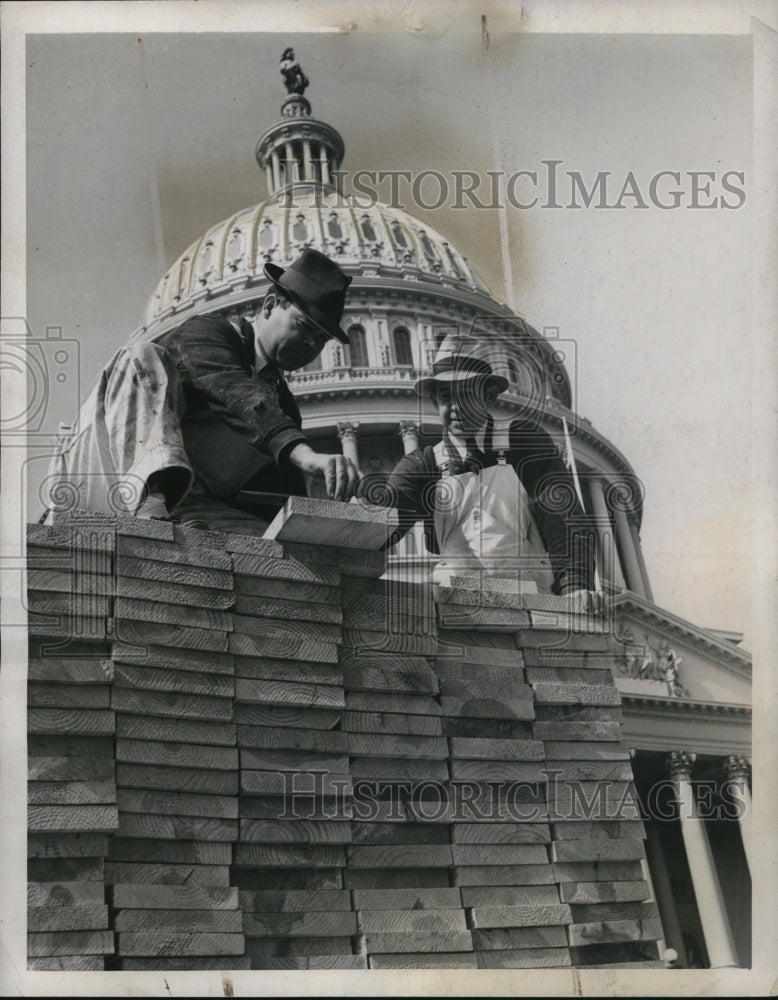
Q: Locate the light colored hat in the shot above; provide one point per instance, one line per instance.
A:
(461, 357)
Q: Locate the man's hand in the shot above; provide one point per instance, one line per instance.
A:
(340, 474)
(587, 601)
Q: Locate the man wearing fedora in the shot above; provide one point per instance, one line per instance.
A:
(497, 500)
(180, 426)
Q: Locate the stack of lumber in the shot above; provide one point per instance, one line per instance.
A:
(399, 863)
(261, 755)
(582, 894)
(597, 834)
(71, 771)
(177, 762)
(295, 786)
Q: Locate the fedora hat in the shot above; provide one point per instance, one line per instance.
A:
(458, 359)
(317, 286)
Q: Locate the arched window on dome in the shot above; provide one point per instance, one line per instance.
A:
(334, 227)
(453, 261)
(300, 229)
(367, 230)
(403, 354)
(357, 350)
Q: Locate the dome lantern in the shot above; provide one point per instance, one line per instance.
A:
(298, 150)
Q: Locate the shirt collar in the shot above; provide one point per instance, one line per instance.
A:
(459, 442)
(260, 359)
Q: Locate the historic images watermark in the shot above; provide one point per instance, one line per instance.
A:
(551, 184)
(547, 799)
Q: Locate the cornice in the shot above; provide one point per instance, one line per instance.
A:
(683, 708)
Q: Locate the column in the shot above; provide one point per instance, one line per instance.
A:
(633, 530)
(289, 153)
(347, 432)
(269, 178)
(736, 769)
(409, 432)
(276, 169)
(609, 567)
(664, 893)
(710, 902)
(629, 559)
(325, 165)
(308, 161)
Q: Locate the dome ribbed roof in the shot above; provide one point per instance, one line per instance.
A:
(379, 241)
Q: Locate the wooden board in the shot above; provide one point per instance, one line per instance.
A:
(500, 833)
(279, 738)
(67, 918)
(497, 770)
(51, 769)
(301, 924)
(577, 731)
(329, 522)
(165, 873)
(171, 730)
(175, 573)
(520, 916)
(59, 868)
(288, 694)
(50, 943)
(280, 715)
(136, 609)
(94, 747)
(502, 875)
(406, 899)
(294, 900)
(416, 941)
(531, 958)
(405, 704)
(175, 897)
(85, 722)
(51, 695)
(68, 894)
(603, 892)
(178, 779)
(180, 594)
(288, 856)
(71, 819)
(605, 931)
(177, 827)
(419, 960)
(389, 677)
(499, 854)
(597, 871)
(170, 658)
(522, 895)
(407, 921)
(310, 962)
(190, 755)
(174, 703)
(576, 694)
(61, 671)
(519, 937)
(214, 921)
(293, 760)
(157, 550)
(289, 647)
(259, 627)
(297, 783)
(283, 569)
(67, 963)
(187, 682)
(162, 634)
(400, 856)
(71, 792)
(292, 590)
(380, 723)
(134, 800)
(295, 831)
(417, 747)
(190, 963)
(161, 942)
(281, 608)
(183, 851)
(263, 668)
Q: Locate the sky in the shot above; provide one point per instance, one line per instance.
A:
(136, 142)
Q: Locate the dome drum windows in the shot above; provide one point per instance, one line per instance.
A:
(403, 351)
(357, 349)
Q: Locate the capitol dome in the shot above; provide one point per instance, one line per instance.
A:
(410, 288)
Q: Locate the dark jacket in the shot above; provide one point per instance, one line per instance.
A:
(238, 428)
(552, 498)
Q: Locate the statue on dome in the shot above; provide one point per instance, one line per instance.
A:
(295, 80)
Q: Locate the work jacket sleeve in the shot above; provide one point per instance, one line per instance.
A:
(566, 531)
(215, 367)
(408, 488)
